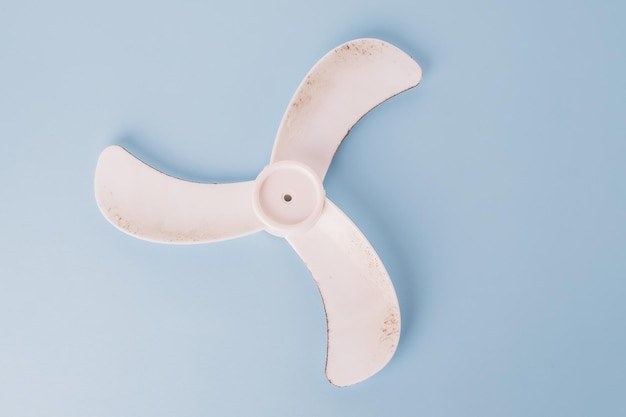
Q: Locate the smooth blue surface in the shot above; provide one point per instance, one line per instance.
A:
(494, 193)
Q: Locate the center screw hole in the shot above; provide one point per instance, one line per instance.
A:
(287, 198)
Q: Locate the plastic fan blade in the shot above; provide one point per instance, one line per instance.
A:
(340, 89)
(362, 312)
(148, 204)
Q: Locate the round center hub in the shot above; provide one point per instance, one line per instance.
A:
(288, 197)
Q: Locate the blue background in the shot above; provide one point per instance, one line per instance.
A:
(494, 192)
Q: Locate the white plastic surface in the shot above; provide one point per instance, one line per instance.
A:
(151, 205)
(288, 199)
(362, 311)
(338, 91)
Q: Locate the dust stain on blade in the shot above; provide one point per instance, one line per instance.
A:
(340, 89)
(148, 204)
(362, 311)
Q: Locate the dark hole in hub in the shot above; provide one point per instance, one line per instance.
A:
(287, 198)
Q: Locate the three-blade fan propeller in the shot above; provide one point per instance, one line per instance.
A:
(287, 199)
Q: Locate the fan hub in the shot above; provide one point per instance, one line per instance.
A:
(288, 197)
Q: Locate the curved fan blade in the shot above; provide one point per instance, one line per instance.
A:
(148, 204)
(340, 89)
(362, 312)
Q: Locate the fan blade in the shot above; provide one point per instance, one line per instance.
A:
(362, 312)
(340, 89)
(150, 205)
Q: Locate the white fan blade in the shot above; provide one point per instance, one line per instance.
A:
(340, 89)
(150, 205)
(362, 312)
